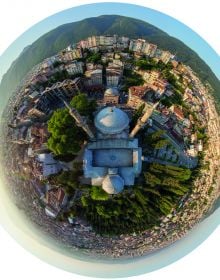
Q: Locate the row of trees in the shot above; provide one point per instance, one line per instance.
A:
(155, 140)
(136, 208)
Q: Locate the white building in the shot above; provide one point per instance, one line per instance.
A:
(113, 160)
(94, 77)
(49, 164)
(113, 76)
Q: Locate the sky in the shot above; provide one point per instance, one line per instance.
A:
(201, 263)
(162, 21)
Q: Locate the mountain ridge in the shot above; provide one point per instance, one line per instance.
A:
(69, 33)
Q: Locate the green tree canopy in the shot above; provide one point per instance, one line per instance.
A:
(84, 106)
(97, 193)
(66, 137)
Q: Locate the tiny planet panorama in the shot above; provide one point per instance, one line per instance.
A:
(110, 137)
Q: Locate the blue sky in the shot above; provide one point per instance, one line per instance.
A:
(160, 20)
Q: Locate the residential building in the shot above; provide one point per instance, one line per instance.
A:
(75, 67)
(151, 49)
(34, 95)
(93, 77)
(137, 45)
(67, 56)
(165, 56)
(135, 102)
(177, 111)
(65, 89)
(113, 76)
(49, 165)
(56, 199)
(150, 76)
(33, 112)
(42, 105)
(139, 91)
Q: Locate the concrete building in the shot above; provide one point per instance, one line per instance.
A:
(42, 105)
(113, 76)
(112, 160)
(49, 165)
(138, 91)
(66, 89)
(33, 112)
(150, 76)
(177, 111)
(135, 102)
(34, 95)
(165, 56)
(67, 56)
(55, 200)
(135, 96)
(137, 45)
(122, 43)
(93, 77)
(76, 67)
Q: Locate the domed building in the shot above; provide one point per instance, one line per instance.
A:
(111, 120)
(111, 96)
(113, 159)
(113, 184)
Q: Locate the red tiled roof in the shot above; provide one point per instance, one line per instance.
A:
(178, 112)
(139, 91)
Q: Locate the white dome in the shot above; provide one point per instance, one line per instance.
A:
(111, 120)
(111, 91)
(113, 184)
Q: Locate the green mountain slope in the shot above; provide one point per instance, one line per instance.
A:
(57, 39)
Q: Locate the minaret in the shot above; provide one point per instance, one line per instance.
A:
(80, 121)
(142, 120)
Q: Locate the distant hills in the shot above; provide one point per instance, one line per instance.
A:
(64, 35)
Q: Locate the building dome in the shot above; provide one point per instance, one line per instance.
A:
(112, 91)
(113, 184)
(111, 120)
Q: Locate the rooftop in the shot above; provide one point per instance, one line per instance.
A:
(112, 91)
(111, 120)
(113, 184)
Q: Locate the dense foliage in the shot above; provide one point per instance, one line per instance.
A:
(132, 79)
(65, 137)
(84, 106)
(138, 207)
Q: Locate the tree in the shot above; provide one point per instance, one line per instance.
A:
(84, 106)
(93, 57)
(161, 143)
(66, 138)
(97, 193)
(151, 179)
(137, 115)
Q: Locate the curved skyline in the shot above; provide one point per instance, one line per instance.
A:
(175, 251)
